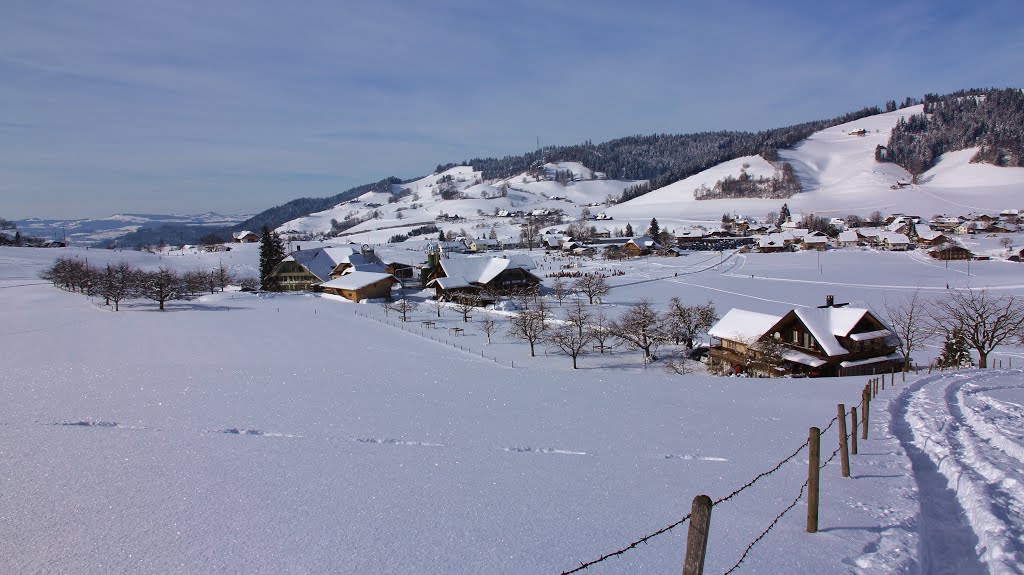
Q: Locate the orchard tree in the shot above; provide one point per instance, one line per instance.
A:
(591, 285)
(985, 320)
(529, 325)
(686, 323)
(908, 319)
(641, 327)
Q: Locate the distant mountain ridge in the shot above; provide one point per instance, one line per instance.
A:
(91, 231)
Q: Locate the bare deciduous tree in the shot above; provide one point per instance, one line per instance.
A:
(119, 283)
(559, 289)
(404, 307)
(222, 276)
(161, 285)
(488, 325)
(686, 323)
(572, 337)
(466, 305)
(641, 327)
(591, 285)
(908, 319)
(529, 325)
(986, 320)
(599, 332)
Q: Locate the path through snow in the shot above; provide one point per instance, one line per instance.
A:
(963, 434)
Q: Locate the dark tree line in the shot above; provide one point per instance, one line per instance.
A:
(121, 281)
(992, 120)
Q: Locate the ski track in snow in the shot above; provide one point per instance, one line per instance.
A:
(967, 458)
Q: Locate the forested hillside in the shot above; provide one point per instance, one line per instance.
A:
(663, 158)
(992, 120)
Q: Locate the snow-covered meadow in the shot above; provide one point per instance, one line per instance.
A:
(291, 433)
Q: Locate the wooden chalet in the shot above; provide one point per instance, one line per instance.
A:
(636, 247)
(478, 278)
(950, 251)
(833, 340)
(357, 286)
(303, 269)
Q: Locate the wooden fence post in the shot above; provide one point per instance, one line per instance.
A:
(864, 416)
(844, 450)
(697, 538)
(853, 436)
(814, 460)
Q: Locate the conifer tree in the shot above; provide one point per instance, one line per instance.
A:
(955, 352)
(655, 230)
(784, 215)
(628, 231)
(271, 254)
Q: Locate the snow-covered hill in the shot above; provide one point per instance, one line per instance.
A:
(840, 176)
(836, 167)
(461, 191)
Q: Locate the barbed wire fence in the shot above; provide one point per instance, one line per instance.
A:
(695, 567)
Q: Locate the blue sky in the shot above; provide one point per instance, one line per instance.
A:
(230, 106)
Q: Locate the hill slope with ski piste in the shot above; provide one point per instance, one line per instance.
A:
(840, 176)
(269, 433)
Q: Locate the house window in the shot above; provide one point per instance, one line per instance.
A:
(796, 337)
(807, 340)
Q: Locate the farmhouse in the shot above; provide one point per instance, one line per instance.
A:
(847, 239)
(641, 246)
(245, 237)
(475, 277)
(304, 268)
(950, 251)
(815, 241)
(482, 245)
(833, 340)
(357, 286)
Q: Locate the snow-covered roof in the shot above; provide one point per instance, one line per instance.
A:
(690, 233)
(449, 283)
(482, 269)
(814, 239)
(870, 360)
(893, 238)
(743, 325)
(322, 261)
(242, 234)
(869, 335)
(356, 280)
(801, 357)
(848, 236)
(825, 324)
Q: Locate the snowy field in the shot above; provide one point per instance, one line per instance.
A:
(290, 433)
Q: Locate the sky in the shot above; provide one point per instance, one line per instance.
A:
(186, 107)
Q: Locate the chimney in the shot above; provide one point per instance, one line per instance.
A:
(830, 301)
